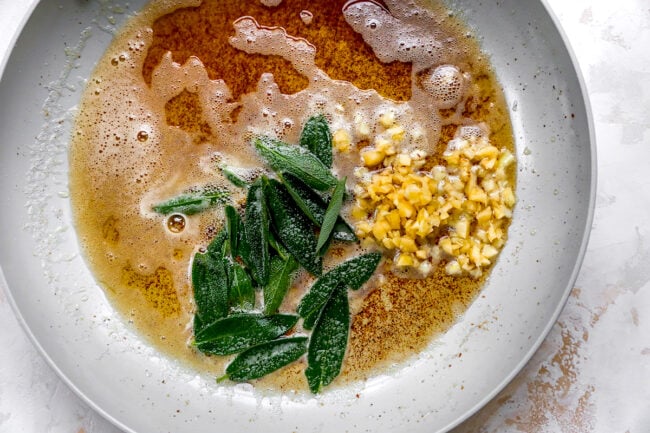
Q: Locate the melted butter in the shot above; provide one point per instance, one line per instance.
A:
(157, 289)
(185, 86)
(185, 111)
(341, 53)
(401, 314)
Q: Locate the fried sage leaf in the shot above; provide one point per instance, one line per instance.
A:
(233, 228)
(238, 332)
(295, 160)
(278, 247)
(265, 358)
(312, 304)
(241, 294)
(331, 214)
(233, 177)
(308, 200)
(279, 282)
(194, 202)
(343, 232)
(328, 341)
(255, 243)
(355, 272)
(316, 137)
(210, 282)
(216, 246)
(351, 274)
(313, 205)
(292, 227)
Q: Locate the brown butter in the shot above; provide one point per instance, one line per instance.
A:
(395, 320)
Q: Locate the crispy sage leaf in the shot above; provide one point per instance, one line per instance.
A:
(241, 294)
(255, 248)
(232, 177)
(198, 324)
(238, 332)
(331, 214)
(292, 227)
(351, 274)
(316, 137)
(210, 282)
(279, 282)
(217, 244)
(265, 358)
(191, 203)
(355, 272)
(329, 341)
(295, 160)
(308, 200)
(278, 247)
(313, 205)
(233, 227)
(343, 232)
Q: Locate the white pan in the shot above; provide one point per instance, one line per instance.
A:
(98, 355)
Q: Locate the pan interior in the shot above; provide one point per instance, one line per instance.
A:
(71, 322)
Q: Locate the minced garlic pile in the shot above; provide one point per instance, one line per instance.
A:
(457, 213)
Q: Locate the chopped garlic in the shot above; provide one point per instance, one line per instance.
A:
(372, 157)
(458, 212)
(342, 140)
(387, 119)
(396, 133)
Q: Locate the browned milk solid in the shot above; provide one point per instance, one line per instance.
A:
(185, 86)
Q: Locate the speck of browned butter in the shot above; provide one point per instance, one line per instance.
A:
(341, 52)
(157, 288)
(109, 230)
(400, 317)
(185, 111)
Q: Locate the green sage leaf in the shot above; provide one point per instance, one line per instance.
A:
(308, 200)
(292, 227)
(210, 282)
(331, 214)
(232, 177)
(352, 274)
(313, 205)
(316, 137)
(255, 248)
(278, 247)
(233, 228)
(241, 294)
(343, 232)
(265, 358)
(297, 161)
(329, 341)
(238, 332)
(279, 282)
(194, 202)
(217, 243)
(355, 272)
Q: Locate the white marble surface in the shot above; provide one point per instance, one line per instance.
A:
(592, 372)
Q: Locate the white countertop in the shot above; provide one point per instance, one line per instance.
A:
(592, 372)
